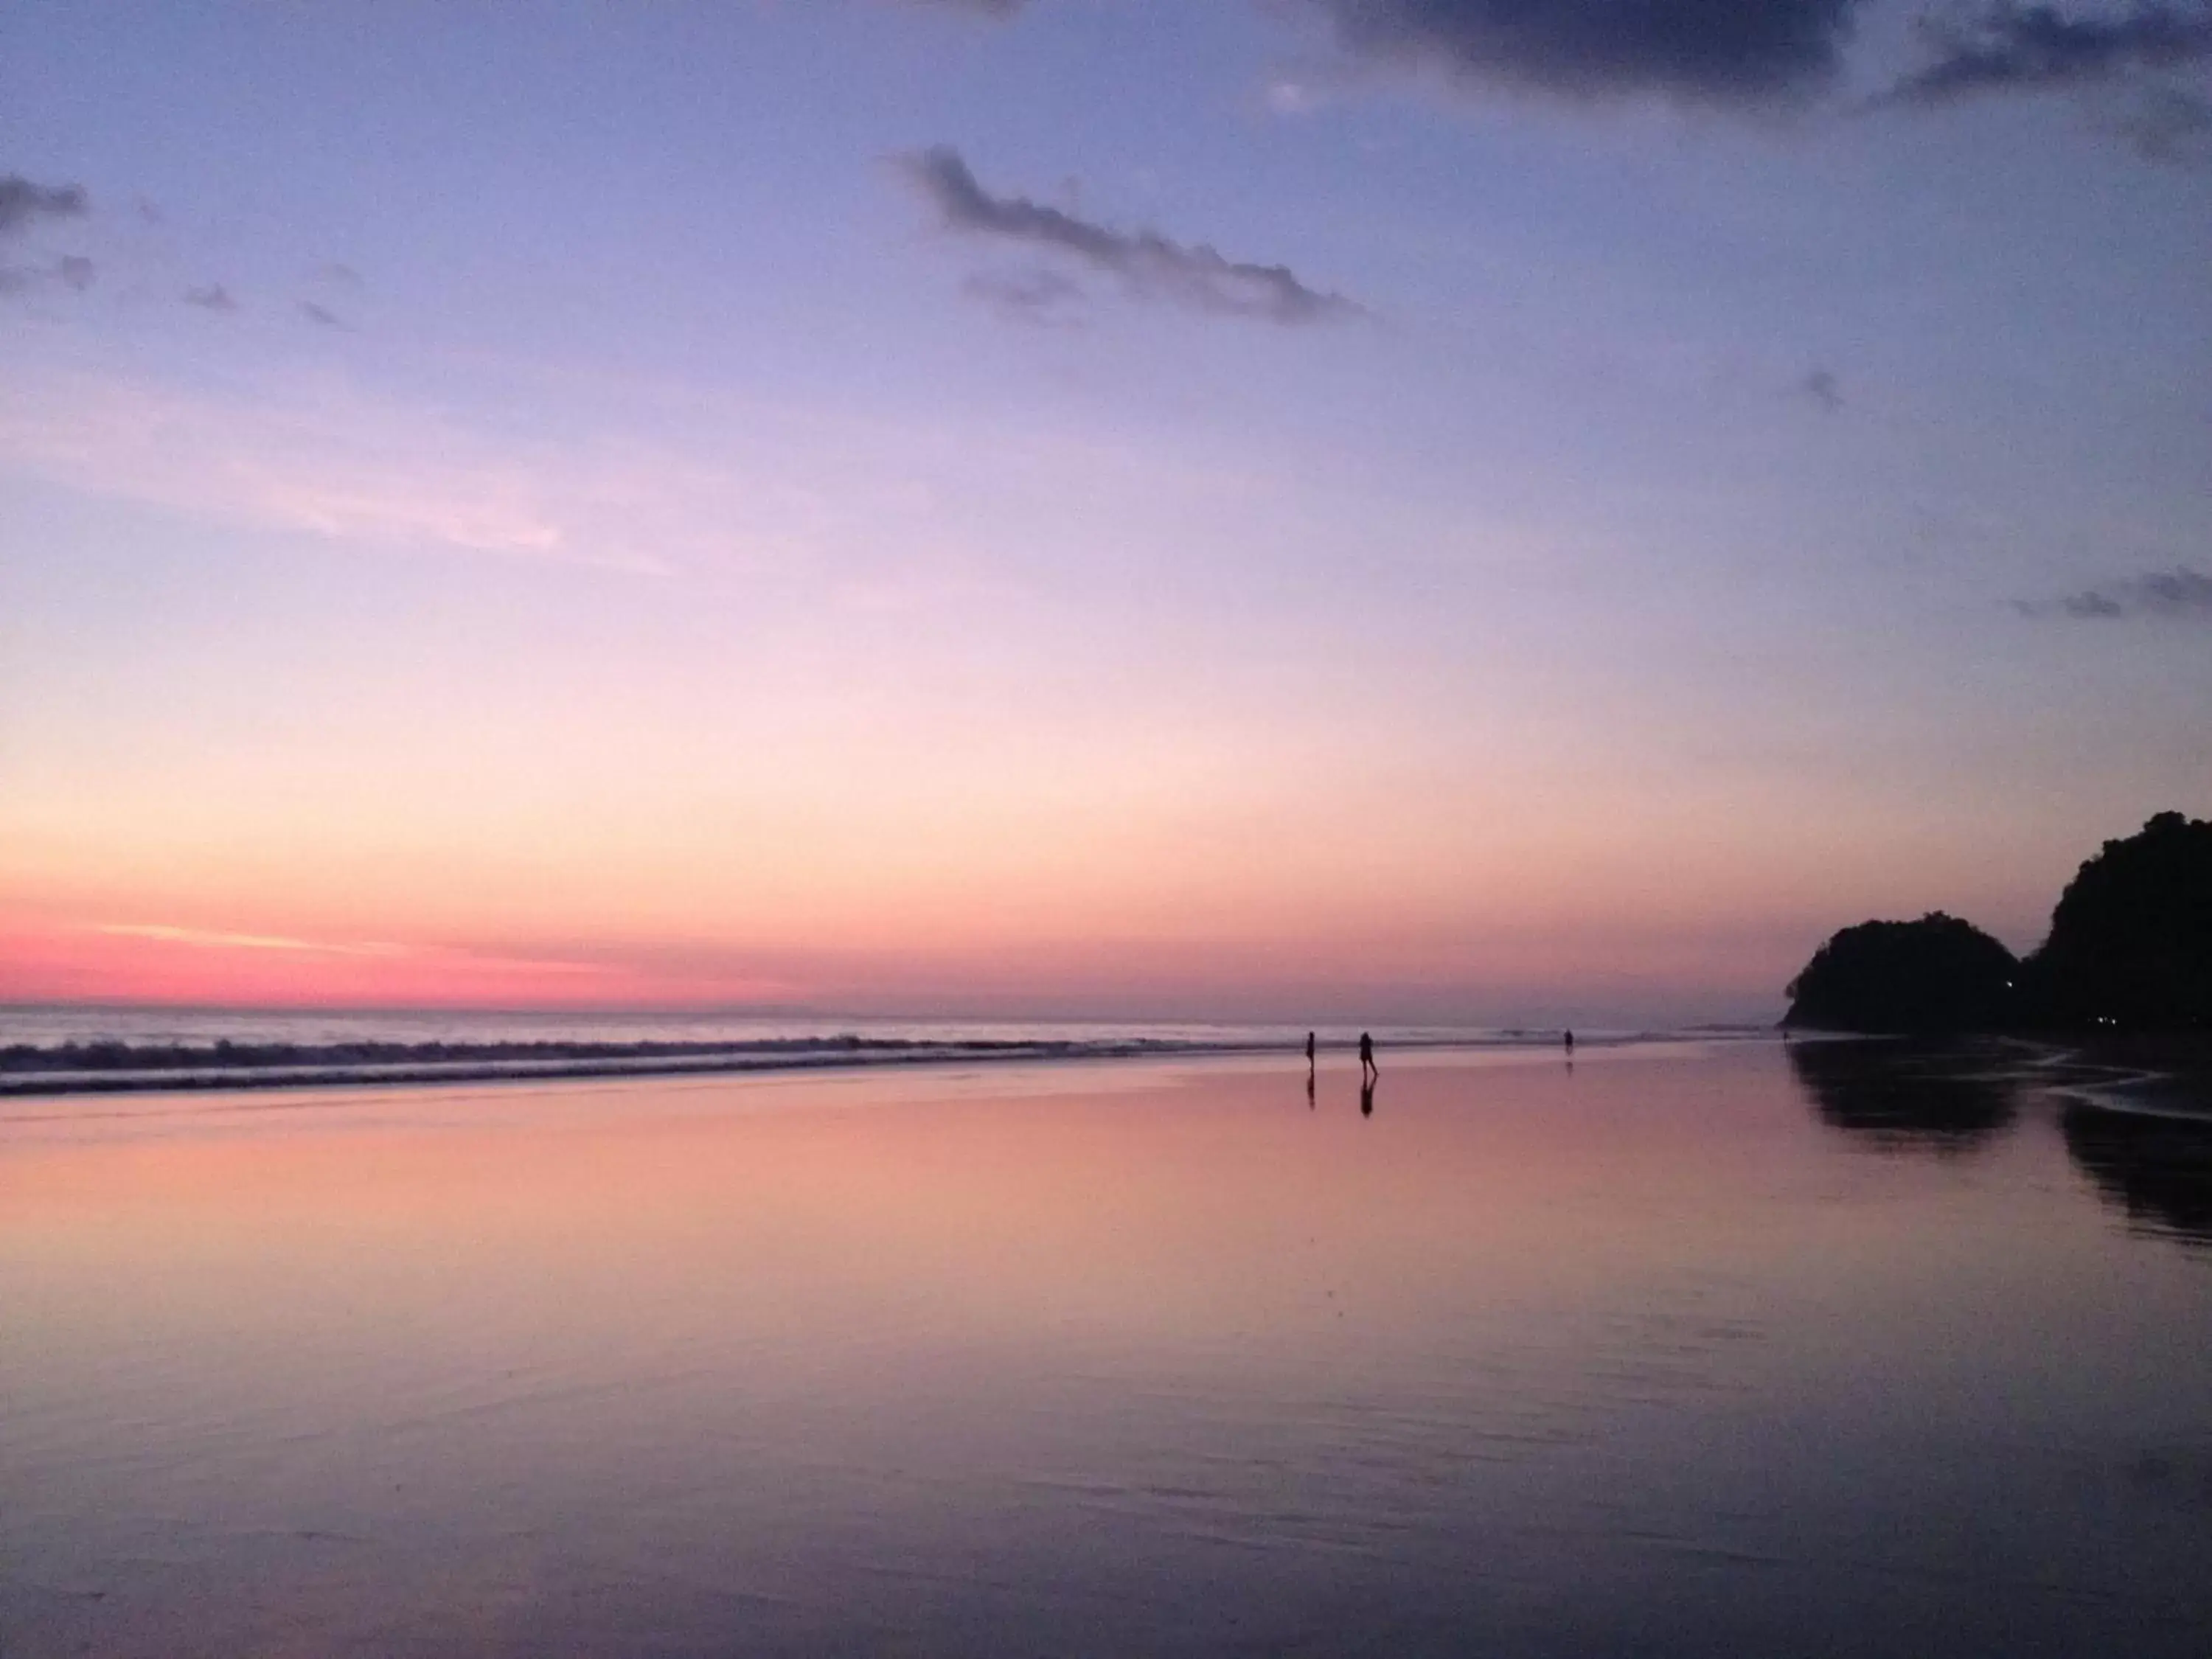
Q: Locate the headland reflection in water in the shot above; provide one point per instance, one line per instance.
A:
(1643, 1355)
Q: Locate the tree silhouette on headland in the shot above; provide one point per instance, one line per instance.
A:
(2130, 944)
(2130, 948)
(1936, 974)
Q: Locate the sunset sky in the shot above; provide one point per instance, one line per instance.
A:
(1283, 508)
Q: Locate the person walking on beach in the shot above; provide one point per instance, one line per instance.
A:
(1309, 1051)
(1571, 1042)
(1366, 1055)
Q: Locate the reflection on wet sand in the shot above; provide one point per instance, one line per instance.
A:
(1088, 1360)
(2153, 1165)
(2156, 1169)
(1905, 1096)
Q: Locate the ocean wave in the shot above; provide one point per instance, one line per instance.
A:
(112, 1067)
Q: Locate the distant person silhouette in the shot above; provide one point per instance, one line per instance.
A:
(1309, 1051)
(1571, 1042)
(1366, 1055)
(1367, 1096)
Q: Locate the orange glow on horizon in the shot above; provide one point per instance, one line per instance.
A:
(157, 964)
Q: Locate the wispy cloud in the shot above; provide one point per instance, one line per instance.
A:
(321, 316)
(1722, 52)
(998, 8)
(72, 270)
(23, 204)
(212, 297)
(1820, 388)
(1028, 296)
(2033, 48)
(2179, 594)
(1147, 264)
(1293, 95)
(611, 472)
(208, 939)
(318, 459)
(444, 958)
(656, 480)
(2167, 123)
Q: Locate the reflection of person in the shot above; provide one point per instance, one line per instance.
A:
(1310, 1089)
(1367, 1096)
(1366, 1055)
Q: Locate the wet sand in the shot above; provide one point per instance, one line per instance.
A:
(2172, 1074)
(1680, 1351)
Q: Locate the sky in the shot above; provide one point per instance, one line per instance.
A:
(1301, 509)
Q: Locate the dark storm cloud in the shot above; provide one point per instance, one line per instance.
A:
(2180, 593)
(1147, 262)
(214, 297)
(2035, 48)
(23, 202)
(1739, 52)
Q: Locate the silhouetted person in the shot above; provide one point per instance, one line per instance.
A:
(1571, 1042)
(1367, 1096)
(1309, 1051)
(1366, 1055)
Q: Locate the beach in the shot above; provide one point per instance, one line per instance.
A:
(1652, 1352)
(971, 828)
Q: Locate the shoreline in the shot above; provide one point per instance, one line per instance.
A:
(2154, 1077)
(2140, 1076)
(397, 1066)
(525, 1064)
(2146, 1075)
